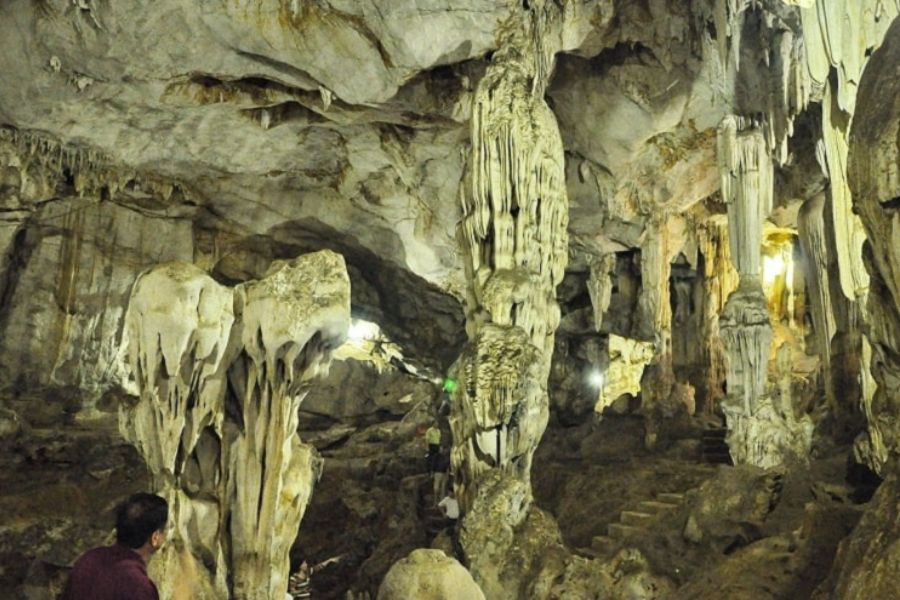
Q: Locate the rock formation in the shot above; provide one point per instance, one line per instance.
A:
(759, 434)
(221, 374)
(626, 229)
(429, 575)
(513, 234)
(876, 187)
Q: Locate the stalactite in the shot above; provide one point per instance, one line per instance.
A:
(657, 251)
(811, 222)
(839, 35)
(222, 373)
(784, 56)
(600, 286)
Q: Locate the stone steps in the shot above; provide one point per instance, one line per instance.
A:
(602, 545)
(636, 521)
(713, 447)
(620, 531)
(655, 507)
(671, 497)
(633, 517)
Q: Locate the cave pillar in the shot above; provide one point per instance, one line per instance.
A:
(221, 374)
(514, 242)
(759, 430)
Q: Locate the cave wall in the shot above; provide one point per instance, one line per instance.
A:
(875, 179)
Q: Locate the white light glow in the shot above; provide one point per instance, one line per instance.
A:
(362, 330)
(595, 379)
(773, 266)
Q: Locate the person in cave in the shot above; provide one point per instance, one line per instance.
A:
(119, 572)
(441, 475)
(433, 439)
(450, 506)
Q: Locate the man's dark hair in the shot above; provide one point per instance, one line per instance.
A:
(138, 517)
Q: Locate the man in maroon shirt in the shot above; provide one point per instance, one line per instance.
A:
(119, 572)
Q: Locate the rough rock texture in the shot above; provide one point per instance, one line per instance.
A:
(874, 156)
(866, 564)
(222, 373)
(429, 575)
(230, 135)
(513, 234)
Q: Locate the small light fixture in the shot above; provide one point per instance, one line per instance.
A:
(595, 378)
(449, 385)
(773, 266)
(362, 330)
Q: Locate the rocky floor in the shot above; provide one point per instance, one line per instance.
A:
(59, 485)
(715, 531)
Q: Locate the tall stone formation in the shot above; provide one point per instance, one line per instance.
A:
(514, 240)
(515, 247)
(759, 431)
(221, 374)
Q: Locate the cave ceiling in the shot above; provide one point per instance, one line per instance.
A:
(292, 125)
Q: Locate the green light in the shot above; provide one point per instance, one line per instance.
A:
(449, 385)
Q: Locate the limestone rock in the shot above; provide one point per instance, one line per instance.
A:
(429, 575)
(627, 360)
(728, 510)
(229, 452)
(868, 561)
(874, 178)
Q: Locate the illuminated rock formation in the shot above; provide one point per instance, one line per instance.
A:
(758, 433)
(513, 234)
(222, 373)
(627, 360)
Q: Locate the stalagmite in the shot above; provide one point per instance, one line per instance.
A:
(513, 234)
(289, 322)
(514, 240)
(178, 329)
(222, 373)
(757, 433)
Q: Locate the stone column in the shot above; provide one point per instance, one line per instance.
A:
(758, 432)
(221, 374)
(515, 245)
(514, 241)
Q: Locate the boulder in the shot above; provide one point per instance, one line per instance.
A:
(429, 575)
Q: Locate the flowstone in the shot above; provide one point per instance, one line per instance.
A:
(221, 374)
